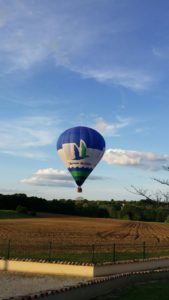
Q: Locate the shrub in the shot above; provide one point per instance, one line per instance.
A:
(167, 219)
(21, 209)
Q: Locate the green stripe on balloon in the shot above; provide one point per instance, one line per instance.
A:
(80, 173)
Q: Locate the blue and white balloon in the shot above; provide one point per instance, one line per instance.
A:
(80, 148)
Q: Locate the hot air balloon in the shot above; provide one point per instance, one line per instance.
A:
(80, 148)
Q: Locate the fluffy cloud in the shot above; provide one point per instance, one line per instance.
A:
(53, 178)
(144, 160)
(50, 177)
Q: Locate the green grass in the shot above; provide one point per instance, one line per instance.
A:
(157, 290)
(45, 255)
(12, 214)
(62, 255)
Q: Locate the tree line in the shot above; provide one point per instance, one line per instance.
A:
(142, 210)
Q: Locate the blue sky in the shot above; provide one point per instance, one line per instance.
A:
(97, 63)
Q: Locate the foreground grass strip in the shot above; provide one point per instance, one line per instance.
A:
(157, 290)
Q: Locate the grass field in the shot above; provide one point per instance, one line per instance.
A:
(157, 290)
(72, 238)
(12, 214)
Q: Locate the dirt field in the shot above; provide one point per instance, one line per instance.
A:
(78, 230)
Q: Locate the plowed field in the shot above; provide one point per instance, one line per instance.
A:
(78, 230)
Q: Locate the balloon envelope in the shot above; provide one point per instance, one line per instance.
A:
(80, 148)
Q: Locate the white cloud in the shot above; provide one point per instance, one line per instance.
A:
(140, 130)
(32, 154)
(144, 160)
(50, 177)
(33, 33)
(166, 167)
(24, 136)
(128, 78)
(53, 177)
(33, 102)
(111, 129)
(161, 52)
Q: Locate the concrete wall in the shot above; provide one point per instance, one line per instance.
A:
(81, 270)
(46, 268)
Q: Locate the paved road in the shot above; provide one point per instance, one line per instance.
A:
(18, 284)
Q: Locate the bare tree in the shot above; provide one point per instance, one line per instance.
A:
(162, 181)
(165, 195)
(141, 192)
(158, 196)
